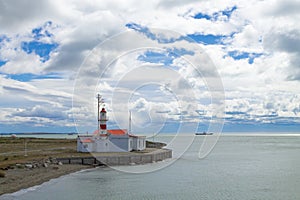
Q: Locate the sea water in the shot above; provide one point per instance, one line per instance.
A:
(239, 167)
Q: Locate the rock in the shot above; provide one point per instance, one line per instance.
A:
(29, 166)
(11, 167)
(45, 165)
(19, 166)
(53, 160)
(55, 167)
(59, 163)
(95, 165)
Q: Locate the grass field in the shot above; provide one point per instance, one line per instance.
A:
(20, 150)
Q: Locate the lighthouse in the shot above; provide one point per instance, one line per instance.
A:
(103, 119)
(113, 140)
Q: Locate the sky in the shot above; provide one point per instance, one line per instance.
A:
(183, 66)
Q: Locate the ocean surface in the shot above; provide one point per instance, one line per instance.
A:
(239, 167)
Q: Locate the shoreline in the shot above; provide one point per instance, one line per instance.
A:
(18, 179)
(23, 176)
(28, 162)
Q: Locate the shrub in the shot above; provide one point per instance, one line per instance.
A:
(2, 174)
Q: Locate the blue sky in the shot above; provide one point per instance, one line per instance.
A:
(254, 46)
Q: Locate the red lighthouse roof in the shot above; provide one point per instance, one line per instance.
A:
(114, 131)
(117, 131)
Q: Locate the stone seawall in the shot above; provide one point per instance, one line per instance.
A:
(137, 158)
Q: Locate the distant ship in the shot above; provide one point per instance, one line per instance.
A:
(203, 133)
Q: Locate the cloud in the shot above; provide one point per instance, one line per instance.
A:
(87, 33)
(287, 41)
(253, 45)
(286, 8)
(40, 111)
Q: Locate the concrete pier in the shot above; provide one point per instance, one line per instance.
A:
(134, 158)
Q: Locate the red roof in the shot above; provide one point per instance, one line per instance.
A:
(117, 131)
(113, 132)
(86, 141)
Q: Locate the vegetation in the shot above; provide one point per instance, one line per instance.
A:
(2, 174)
(20, 150)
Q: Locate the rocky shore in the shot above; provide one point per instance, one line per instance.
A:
(25, 175)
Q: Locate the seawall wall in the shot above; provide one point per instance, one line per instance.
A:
(135, 158)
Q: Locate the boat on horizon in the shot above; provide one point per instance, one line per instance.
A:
(203, 133)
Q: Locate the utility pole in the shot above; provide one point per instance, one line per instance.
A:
(99, 101)
(25, 147)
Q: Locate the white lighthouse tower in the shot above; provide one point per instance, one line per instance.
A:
(102, 118)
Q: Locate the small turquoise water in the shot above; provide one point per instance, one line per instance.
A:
(239, 167)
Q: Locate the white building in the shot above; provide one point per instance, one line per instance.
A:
(113, 141)
(118, 140)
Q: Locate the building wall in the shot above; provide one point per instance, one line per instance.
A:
(155, 156)
(109, 144)
(101, 145)
(142, 143)
(139, 143)
(83, 147)
(122, 142)
(113, 143)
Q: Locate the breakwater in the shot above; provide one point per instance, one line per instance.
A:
(128, 159)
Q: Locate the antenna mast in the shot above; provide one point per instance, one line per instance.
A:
(129, 128)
